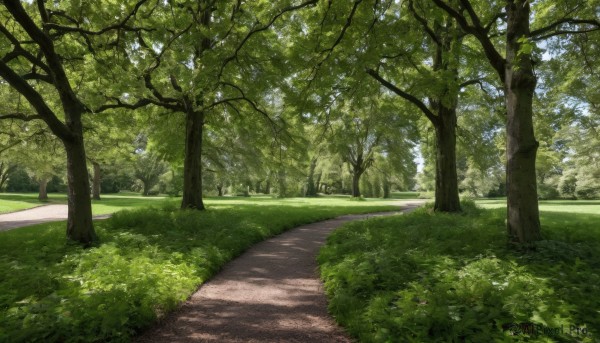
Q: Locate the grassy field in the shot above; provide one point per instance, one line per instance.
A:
(110, 203)
(11, 202)
(150, 260)
(570, 206)
(429, 277)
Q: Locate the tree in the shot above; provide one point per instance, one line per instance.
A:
(38, 42)
(148, 169)
(516, 72)
(193, 69)
(444, 49)
(364, 128)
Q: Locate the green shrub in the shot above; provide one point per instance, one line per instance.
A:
(150, 260)
(433, 277)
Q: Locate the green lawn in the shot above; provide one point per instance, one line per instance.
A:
(570, 206)
(11, 202)
(404, 195)
(430, 277)
(110, 203)
(149, 261)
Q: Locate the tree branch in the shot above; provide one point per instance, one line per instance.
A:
(122, 25)
(426, 111)
(424, 23)
(543, 32)
(36, 100)
(496, 60)
(20, 116)
(262, 28)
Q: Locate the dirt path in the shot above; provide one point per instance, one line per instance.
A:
(271, 293)
(36, 215)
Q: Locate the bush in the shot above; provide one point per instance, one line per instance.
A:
(150, 261)
(547, 192)
(567, 185)
(434, 277)
(19, 181)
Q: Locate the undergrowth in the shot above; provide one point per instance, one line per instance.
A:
(431, 277)
(150, 260)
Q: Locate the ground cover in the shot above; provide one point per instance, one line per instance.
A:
(150, 260)
(431, 277)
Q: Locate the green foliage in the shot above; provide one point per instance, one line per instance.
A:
(20, 181)
(430, 277)
(150, 261)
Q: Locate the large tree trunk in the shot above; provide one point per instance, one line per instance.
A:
(192, 165)
(79, 223)
(523, 222)
(220, 190)
(97, 179)
(356, 173)
(268, 185)
(446, 181)
(43, 192)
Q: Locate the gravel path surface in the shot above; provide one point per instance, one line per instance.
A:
(36, 215)
(271, 293)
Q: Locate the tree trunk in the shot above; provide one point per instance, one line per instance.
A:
(220, 190)
(318, 183)
(311, 191)
(146, 188)
(192, 165)
(282, 185)
(257, 188)
(43, 192)
(386, 188)
(446, 180)
(523, 221)
(268, 186)
(356, 173)
(5, 170)
(79, 223)
(96, 181)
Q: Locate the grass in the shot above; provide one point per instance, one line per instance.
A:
(11, 202)
(149, 261)
(110, 203)
(570, 206)
(430, 277)
(404, 195)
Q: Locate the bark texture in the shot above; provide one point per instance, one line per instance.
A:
(97, 179)
(192, 167)
(79, 222)
(523, 220)
(446, 180)
(43, 190)
(356, 174)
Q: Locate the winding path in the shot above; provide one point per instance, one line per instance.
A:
(271, 293)
(36, 215)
